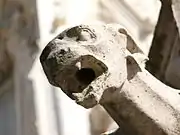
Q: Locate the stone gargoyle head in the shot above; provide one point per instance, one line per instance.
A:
(85, 61)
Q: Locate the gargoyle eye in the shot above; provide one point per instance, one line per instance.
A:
(81, 33)
(84, 36)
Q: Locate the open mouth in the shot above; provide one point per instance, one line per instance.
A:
(85, 75)
(89, 69)
(79, 74)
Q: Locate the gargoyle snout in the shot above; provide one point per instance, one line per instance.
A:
(71, 72)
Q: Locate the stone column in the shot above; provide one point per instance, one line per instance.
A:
(19, 20)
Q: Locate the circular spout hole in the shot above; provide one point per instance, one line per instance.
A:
(85, 75)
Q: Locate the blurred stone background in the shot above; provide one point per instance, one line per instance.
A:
(29, 105)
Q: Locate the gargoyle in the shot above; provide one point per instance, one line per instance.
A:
(101, 64)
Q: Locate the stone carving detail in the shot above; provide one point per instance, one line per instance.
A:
(104, 69)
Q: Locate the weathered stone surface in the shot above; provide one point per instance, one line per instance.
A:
(93, 65)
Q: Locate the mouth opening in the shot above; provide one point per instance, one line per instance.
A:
(89, 69)
(85, 75)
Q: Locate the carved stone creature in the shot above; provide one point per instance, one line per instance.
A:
(103, 65)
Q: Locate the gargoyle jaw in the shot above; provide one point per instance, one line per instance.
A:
(78, 82)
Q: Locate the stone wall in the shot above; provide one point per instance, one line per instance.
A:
(164, 52)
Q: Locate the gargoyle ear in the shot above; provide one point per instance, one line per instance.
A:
(132, 67)
(131, 44)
